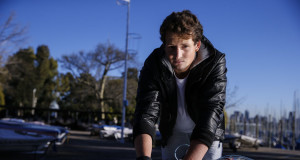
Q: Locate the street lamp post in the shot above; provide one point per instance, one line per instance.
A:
(125, 102)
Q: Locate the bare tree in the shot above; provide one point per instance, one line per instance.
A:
(12, 35)
(105, 58)
(231, 98)
(231, 102)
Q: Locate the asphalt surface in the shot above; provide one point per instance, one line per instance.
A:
(82, 146)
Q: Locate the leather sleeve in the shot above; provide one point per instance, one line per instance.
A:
(148, 101)
(212, 103)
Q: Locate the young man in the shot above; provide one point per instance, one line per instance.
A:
(182, 84)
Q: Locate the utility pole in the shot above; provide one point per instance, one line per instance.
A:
(125, 102)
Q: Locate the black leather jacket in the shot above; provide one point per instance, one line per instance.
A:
(205, 95)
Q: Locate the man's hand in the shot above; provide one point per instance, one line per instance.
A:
(196, 151)
(143, 145)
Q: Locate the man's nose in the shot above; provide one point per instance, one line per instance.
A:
(178, 53)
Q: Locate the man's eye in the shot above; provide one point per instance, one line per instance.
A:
(172, 47)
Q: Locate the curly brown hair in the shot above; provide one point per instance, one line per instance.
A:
(184, 23)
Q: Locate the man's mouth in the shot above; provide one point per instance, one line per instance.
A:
(178, 62)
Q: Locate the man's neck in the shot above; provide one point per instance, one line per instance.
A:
(182, 75)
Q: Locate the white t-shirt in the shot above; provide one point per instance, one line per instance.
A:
(184, 123)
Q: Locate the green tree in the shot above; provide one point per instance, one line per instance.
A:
(114, 93)
(46, 71)
(131, 92)
(76, 95)
(63, 82)
(65, 88)
(29, 71)
(21, 78)
(2, 97)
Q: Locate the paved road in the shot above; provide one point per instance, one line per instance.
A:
(82, 146)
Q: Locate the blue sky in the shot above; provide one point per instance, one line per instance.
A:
(261, 38)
